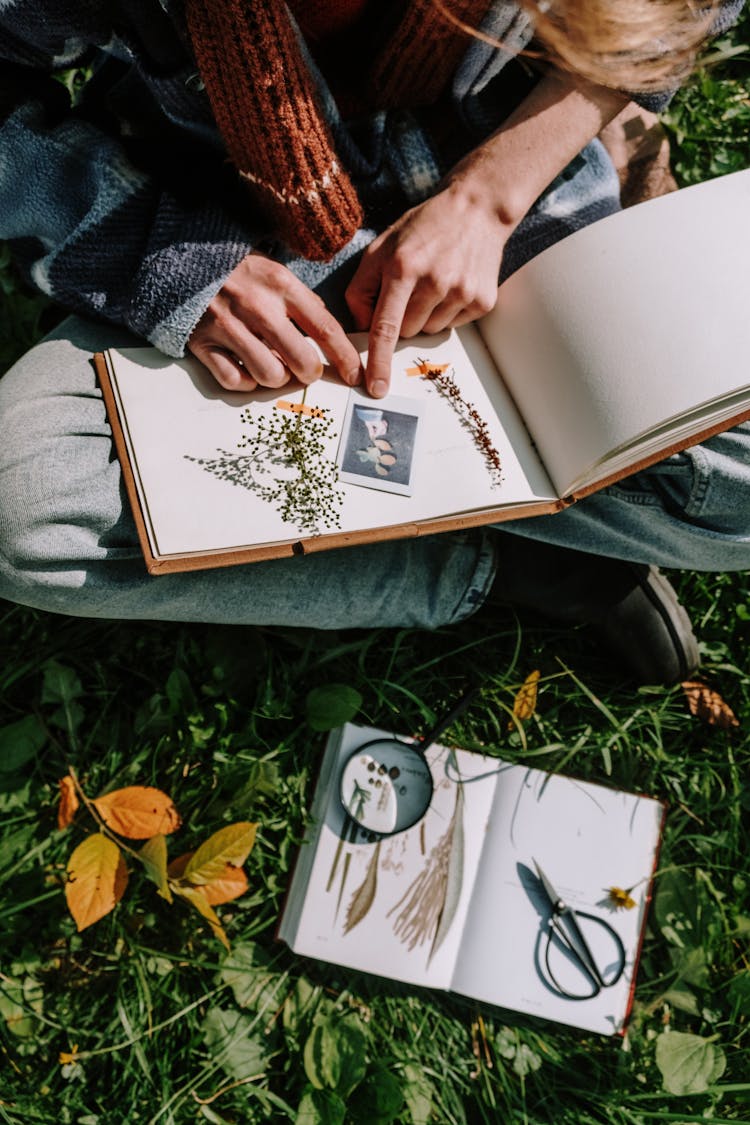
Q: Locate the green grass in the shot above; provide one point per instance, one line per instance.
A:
(217, 717)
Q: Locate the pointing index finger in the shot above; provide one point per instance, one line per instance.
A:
(385, 330)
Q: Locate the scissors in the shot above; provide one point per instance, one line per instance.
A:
(568, 949)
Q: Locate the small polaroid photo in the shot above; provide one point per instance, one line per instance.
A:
(378, 446)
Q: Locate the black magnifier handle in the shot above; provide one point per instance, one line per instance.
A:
(433, 735)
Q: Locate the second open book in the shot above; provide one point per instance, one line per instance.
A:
(625, 342)
(454, 903)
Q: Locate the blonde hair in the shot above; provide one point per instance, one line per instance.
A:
(635, 45)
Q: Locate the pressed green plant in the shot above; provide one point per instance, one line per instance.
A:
(291, 468)
(284, 460)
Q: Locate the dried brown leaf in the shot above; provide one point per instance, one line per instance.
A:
(707, 705)
(138, 812)
(364, 896)
(97, 878)
(69, 802)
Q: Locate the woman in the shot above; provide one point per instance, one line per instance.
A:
(234, 177)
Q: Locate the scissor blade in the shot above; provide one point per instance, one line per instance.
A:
(549, 890)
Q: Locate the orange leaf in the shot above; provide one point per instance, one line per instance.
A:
(138, 812)
(524, 705)
(706, 704)
(177, 866)
(97, 878)
(223, 887)
(68, 802)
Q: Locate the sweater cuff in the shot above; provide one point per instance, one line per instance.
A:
(178, 279)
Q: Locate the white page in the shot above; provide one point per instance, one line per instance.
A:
(378, 943)
(627, 323)
(176, 416)
(586, 838)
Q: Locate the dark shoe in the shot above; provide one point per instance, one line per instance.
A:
(633, 607)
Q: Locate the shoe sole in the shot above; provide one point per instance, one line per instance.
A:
(661, 594)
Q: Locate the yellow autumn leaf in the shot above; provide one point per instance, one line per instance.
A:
(154, 856)
(138, 812)
(230, 884)
(97, 878)
(524, 705)
(232, 845)
(68, 806)
(198, 901)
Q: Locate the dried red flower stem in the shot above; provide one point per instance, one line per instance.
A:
(468, 414)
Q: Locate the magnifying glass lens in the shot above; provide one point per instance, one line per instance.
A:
(386, 786)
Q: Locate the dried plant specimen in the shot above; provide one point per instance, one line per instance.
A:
(364, 896)
(429, 904)
(471, 419)
(285, 464)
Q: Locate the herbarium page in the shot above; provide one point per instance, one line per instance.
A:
(586, 839)
(216, 470)
(394, 906)
(635, 321)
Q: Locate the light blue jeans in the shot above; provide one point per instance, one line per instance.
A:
(68, 543)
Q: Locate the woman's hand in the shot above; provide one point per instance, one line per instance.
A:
(253, 332)
(437, 267)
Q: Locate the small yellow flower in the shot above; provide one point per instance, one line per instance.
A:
(69, 1057)
(620, 899)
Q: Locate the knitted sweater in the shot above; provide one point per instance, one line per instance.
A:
(123, 205)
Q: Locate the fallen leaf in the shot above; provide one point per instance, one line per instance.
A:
(97, 878)
(69, 802)
(138, 812)
(524, 704)
(706, 704)
(232, 845)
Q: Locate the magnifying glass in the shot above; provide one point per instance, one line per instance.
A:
(386, 785)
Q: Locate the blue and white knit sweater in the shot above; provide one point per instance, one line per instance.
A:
(123, 205)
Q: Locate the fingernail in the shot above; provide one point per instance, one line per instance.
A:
(379, 389)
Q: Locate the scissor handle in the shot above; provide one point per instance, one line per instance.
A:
(563, 925)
